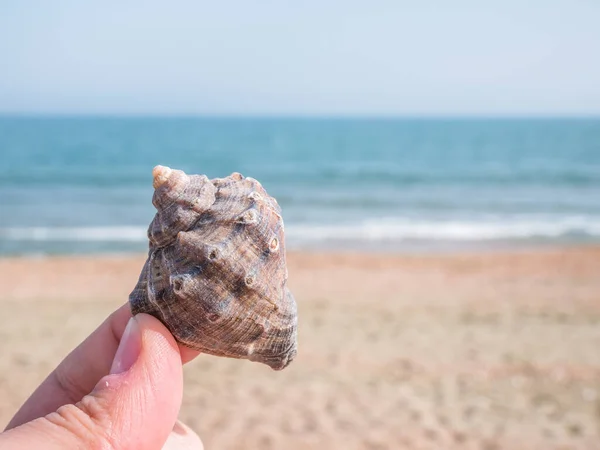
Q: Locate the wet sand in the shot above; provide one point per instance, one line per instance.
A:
(466, 351)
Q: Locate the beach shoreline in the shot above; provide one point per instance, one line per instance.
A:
(69, 276)
(458, 350)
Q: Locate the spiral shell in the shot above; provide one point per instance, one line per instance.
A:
(216, 273)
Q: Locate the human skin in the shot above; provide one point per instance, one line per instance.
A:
(121, 388)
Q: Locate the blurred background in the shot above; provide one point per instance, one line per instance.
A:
(438, 166)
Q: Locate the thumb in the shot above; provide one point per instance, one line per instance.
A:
(135, 406)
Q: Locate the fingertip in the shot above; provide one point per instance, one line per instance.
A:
(143, 402)
(152, 325)
(159, 347)
(187, 354)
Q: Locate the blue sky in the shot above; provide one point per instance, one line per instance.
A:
(324, 57)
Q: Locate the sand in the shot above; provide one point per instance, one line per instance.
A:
(470, 351)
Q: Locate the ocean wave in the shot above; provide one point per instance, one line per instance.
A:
(404, 230)
(75, 234)
(391, 229)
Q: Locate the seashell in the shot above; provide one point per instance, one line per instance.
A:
(216, 271)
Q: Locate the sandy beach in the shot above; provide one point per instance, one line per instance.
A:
(466, 351)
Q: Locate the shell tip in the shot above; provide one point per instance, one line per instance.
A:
(160, 174)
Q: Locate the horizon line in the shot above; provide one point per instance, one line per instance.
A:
(293, 116)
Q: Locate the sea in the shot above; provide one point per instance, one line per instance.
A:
(79, 185)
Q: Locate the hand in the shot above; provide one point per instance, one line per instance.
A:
(119, 389)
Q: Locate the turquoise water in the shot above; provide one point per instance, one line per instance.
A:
(76, 185)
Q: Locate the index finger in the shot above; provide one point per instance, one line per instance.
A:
(79, 372)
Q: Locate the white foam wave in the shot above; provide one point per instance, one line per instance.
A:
(368, 231)
(75, 234)
(401, 230)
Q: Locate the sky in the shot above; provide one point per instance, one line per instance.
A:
(310, 57)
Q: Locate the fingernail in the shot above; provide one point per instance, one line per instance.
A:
(129, 348)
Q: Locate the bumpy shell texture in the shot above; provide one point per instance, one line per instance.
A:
(216, 273)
